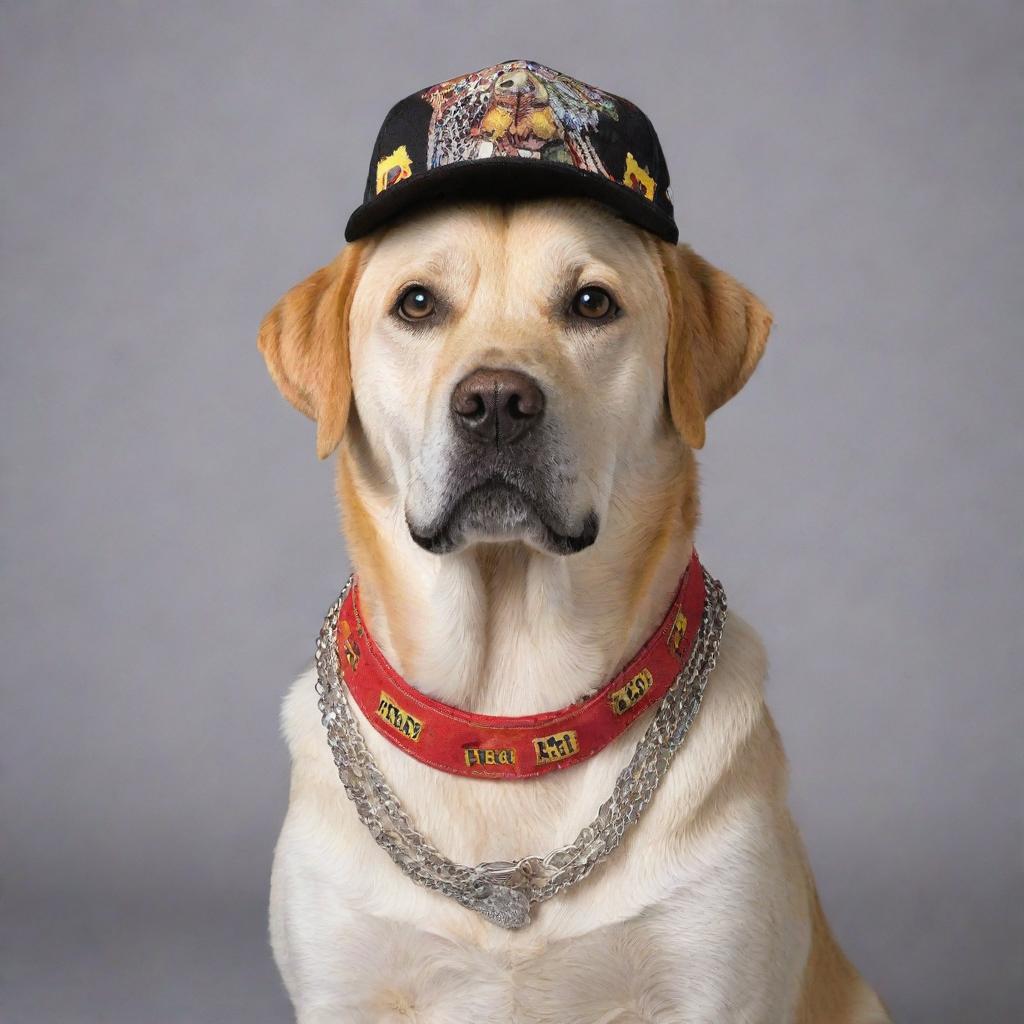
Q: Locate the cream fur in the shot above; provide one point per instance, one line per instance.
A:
(707, 912)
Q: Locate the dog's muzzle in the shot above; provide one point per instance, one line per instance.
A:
(507, 473)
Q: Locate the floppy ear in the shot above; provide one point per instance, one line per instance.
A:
(717, 331)
(304, 340)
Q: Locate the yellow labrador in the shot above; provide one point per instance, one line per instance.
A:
(601, 350)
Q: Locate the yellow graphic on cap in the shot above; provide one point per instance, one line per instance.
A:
(637, 178)
(393, 168)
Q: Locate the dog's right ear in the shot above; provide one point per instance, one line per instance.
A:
(304, 340)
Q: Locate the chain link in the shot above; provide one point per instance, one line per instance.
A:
(503, 891)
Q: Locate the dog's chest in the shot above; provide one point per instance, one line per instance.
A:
(645, 942)
(641, 970)
(670, 921)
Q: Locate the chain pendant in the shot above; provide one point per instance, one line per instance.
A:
(505, 907)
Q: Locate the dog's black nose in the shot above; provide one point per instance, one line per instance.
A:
(497, 406)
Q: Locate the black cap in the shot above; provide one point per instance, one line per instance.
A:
(512, 131)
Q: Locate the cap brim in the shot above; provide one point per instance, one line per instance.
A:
(506, 179)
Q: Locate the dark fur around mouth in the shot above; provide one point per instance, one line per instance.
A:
(496, 509)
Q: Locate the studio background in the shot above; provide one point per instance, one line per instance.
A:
(170, 541)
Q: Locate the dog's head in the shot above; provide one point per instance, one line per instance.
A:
(501, 370)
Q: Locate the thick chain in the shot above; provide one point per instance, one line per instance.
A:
(504, 890)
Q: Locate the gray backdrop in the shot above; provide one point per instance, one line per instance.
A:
(170, 541)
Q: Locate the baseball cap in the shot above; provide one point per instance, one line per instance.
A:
(517, 130)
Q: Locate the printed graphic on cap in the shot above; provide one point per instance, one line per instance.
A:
(637, 178)
(392, 168)
(518, 108)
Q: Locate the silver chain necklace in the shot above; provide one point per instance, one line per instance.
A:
(502, 891)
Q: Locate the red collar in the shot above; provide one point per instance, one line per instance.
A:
(494, 747)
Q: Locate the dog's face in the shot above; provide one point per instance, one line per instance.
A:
(503, 363)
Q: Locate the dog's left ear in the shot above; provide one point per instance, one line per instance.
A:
(304, 340)
(717, 332)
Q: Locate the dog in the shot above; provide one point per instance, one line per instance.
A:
(513, 570)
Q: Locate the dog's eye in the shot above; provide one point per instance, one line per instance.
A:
(416, 303)
(593, 303)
